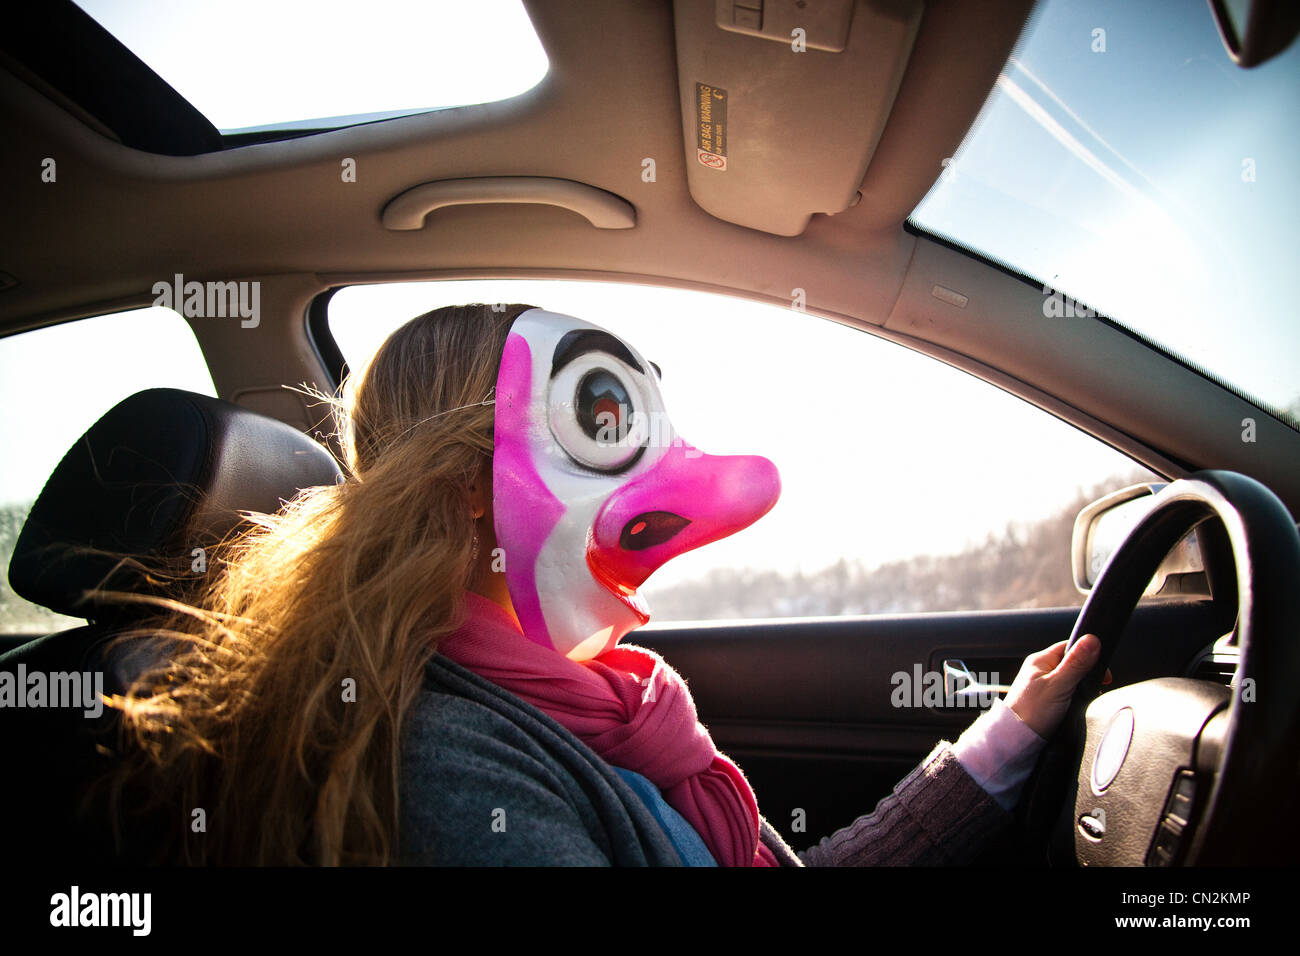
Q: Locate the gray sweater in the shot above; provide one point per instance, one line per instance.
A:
(490, 780)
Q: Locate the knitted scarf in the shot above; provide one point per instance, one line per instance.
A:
(634, 710)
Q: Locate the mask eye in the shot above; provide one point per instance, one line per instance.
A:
(597, 413)
(603, 407)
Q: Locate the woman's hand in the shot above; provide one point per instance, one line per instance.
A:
(1041, 692)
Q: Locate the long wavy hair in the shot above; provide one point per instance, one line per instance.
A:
(280, 712)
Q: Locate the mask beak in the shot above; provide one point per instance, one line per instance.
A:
(687, 500)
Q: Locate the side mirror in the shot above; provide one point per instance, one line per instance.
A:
(1103, 525)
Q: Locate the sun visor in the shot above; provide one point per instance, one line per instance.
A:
(783, 102)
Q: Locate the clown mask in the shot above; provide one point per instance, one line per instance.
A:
(593, 489)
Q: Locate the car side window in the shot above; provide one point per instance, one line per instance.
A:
(907, 485)
(55, 383)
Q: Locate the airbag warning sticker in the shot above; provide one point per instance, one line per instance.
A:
(711, 126)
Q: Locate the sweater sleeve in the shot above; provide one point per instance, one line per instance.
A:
(938, 814)
(999, 750)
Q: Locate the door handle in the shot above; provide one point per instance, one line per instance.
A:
(958, 681)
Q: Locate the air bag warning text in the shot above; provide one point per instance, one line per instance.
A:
(711, 126)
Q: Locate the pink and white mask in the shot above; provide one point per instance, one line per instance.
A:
(592, 487)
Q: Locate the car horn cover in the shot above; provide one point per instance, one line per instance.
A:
(592, 487)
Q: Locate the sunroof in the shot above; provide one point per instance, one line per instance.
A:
(310, 64)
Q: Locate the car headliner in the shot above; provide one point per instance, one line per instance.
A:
(119, 219)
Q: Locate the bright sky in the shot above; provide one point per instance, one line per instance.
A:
(99, 362)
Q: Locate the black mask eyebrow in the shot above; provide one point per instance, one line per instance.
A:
(581, 341)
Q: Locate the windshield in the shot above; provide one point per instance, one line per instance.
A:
(1128, 165)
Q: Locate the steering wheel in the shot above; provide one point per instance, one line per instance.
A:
(1175, 771)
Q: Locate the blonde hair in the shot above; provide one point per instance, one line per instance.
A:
(348, 586)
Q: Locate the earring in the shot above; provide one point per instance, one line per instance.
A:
(473, 555)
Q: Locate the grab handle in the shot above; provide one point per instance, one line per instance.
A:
(602, 209)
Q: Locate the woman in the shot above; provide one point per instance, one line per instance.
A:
(423, 664)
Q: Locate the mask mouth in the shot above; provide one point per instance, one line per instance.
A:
(629, 596)
(649, 529)
(642, 531)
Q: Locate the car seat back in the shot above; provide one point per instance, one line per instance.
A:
(164, 476)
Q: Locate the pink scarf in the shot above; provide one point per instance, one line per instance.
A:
(634, 710)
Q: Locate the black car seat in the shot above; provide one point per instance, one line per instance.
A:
(163, 475)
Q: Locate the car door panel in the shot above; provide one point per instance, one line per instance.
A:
(807, 707)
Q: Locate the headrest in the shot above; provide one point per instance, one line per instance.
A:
(162, 473)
